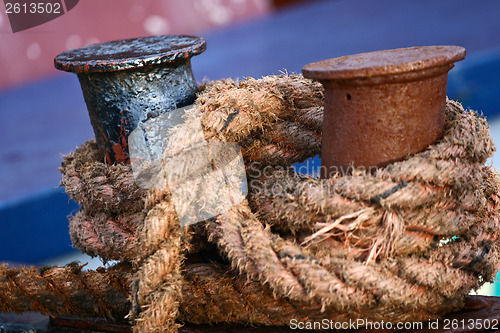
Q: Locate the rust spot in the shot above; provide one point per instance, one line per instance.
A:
(119, 153)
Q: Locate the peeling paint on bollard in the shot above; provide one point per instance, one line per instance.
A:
(128, 81)
(382, 106)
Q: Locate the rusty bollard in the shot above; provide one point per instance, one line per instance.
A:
(128, 81)
(382, 106)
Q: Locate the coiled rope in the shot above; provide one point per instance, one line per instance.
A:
(407, 242)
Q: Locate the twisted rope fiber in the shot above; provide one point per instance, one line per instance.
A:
(408, 242)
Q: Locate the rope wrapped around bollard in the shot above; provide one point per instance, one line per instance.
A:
(406, 242)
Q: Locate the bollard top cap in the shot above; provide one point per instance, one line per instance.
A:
(384, 63)
(130, 53)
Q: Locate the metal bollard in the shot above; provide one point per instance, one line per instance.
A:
(382, 106)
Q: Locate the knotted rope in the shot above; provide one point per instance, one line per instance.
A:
(407, 242)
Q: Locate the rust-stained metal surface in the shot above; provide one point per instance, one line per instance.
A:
(382, 106)
(130, 53)
(129, 81)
